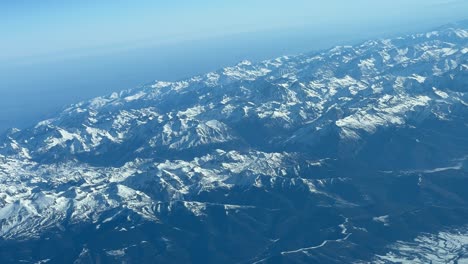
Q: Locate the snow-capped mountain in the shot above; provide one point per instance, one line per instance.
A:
(293, 159)
(443, 247)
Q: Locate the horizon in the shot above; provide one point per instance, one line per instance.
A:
(40, 75)
(51, 27)
(299, 131)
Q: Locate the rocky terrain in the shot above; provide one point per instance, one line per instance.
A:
(353, 154)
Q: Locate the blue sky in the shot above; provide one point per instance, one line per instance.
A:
(58, 52)
(31, 27)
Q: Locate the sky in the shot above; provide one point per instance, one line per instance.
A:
(55, 52)
(51, 27)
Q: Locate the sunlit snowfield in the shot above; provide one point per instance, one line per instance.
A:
(55, 53)
(351, 154)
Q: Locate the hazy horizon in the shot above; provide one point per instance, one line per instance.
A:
(259, 131)
(54, 54)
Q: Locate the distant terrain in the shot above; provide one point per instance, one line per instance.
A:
(355, 154)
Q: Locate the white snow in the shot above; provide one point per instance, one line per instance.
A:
(384, 219)
(440, 93)
(135, 96)
(443, 247)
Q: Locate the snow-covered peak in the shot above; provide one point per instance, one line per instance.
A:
(274, 138)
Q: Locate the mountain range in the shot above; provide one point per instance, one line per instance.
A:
(355, 154)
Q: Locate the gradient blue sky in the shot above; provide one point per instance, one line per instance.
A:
(57, 52)
(46, 27)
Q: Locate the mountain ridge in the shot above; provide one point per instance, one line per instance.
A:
(250, 154)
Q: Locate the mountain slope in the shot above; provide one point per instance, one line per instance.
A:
(293, 159)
